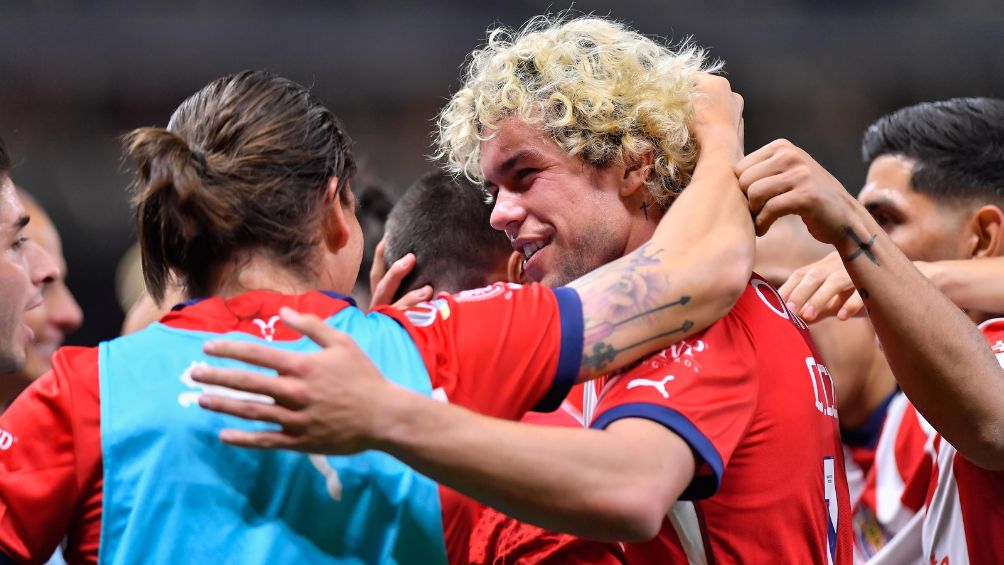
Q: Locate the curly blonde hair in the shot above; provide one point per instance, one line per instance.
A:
(601, 90)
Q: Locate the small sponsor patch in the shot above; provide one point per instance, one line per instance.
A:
(426, 313)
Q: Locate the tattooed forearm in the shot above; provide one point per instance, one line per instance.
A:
(634, 291)
(603, 353)
(864, 248)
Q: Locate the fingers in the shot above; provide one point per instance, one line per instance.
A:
(759, 156)
(854, 306)
(283, 390)
(827, 299)
(770, 185)
(818, 289)
(775, 208)
(314, 328)
(290, 420)
(414, 297)
(379, 267)
(717, 115)
(282, 362)
(384, 287)
(262, 440)
(799, 294)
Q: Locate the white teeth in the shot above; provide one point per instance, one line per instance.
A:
(530, 248)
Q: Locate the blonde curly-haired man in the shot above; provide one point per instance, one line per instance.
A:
(579, 130)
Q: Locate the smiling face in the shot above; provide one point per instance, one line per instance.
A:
(919, 226)
(565, 216)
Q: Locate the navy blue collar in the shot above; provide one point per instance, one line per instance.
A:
(867, 434)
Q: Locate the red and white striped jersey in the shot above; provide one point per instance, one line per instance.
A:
(964, 522)
(890, 497)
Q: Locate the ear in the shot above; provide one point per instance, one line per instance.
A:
(334, 224)
(635, 175)
(514, 270)
(986, 237)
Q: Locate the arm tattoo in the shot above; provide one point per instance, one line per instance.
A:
(864, 248)
(626, 295)
(603, 353)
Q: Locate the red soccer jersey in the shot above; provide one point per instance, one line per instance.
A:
(964, 521)
(498, 539)
(755, 403)
(50, 438)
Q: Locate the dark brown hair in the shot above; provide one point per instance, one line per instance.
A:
(445, 222)
(244, 163)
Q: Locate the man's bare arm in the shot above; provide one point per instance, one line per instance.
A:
(694, 268)
(972, 284)
(937, 354)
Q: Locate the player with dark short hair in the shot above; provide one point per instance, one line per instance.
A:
(933, 193)
(444, 222)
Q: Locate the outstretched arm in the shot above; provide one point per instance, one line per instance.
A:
(938, 356)
(614, 484)
(972, 284)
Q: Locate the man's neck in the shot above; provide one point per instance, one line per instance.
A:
(643, 229)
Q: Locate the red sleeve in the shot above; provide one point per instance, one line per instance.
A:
(704, 389)
(501, 539)
(50, 463)
(501, 350)
(993, 331)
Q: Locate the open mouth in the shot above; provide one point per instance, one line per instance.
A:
(530, 249)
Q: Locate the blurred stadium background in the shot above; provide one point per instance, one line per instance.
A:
(76, 75)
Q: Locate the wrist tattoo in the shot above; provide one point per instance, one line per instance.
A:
(864, 248)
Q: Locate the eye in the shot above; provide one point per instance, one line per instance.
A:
(523, 173)
(884, 218)
(19, 242)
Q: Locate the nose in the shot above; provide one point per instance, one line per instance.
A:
(509, 212)
(63, 309)
(42, 267)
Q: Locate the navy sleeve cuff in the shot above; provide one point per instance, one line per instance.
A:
(702, 486)
(570, 358)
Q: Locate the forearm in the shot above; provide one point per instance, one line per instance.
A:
(684, 279)
(590, 483)
(972, 284)
(937, 354)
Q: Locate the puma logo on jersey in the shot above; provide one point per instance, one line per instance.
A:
(187, 399)
(657, 385)
(267, 328)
